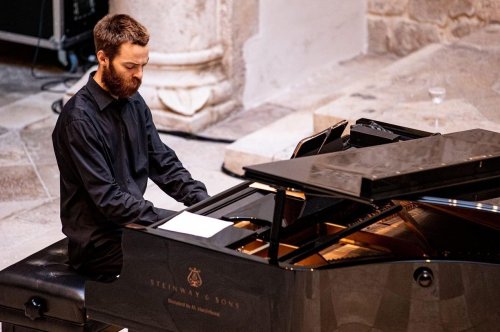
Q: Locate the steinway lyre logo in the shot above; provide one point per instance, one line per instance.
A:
(194, 277)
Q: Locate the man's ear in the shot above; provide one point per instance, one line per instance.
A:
(102, 59)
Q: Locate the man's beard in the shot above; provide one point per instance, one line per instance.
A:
(118, 86)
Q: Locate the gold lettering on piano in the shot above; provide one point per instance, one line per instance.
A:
(194, 299)
(194, 307)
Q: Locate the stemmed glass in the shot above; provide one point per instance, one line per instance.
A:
(437, 94)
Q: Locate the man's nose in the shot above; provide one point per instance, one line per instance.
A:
(138, 72)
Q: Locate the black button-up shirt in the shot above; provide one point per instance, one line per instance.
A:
(106, 150)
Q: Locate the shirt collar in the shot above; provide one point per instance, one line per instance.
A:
(101, 96)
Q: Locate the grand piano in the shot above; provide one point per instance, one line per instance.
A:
(384, 229)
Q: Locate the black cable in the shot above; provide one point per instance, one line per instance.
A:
(192, 136)
(66, 81)
(37, 47)
(231, 173)
(57, 108)
(57, 78)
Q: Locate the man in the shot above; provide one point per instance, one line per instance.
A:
(107, 147)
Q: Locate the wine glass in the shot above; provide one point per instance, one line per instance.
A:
(437, 94)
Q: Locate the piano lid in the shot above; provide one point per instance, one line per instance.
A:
(390, 170)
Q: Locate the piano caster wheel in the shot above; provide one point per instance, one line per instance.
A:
(423, 276)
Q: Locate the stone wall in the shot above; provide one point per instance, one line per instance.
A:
(403, 26)
(294, 39)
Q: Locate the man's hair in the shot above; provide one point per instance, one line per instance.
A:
(114, 30)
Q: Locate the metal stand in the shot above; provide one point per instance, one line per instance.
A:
(63, 35)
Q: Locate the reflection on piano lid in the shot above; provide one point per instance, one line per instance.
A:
(390, 170)
(484, 212)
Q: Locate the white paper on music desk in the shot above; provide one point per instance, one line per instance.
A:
(195, 224)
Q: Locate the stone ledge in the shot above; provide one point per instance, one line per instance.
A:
(274, 142)
(399, 92)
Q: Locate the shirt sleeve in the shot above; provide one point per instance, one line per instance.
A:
(88, 154)
(167, 171)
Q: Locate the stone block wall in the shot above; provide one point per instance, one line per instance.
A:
(404, 26)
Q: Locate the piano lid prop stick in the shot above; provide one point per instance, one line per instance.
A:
(279, 208)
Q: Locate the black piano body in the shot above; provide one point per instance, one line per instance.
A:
(394, 237)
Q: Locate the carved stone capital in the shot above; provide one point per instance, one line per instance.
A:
(178, 86)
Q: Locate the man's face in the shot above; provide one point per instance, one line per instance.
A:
(123, 75)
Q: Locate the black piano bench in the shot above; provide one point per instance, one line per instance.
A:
(43, 293)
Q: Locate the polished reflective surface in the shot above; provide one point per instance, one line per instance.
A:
(389, 170)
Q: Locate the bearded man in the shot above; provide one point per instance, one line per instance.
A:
(107, 146)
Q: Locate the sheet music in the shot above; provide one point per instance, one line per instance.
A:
(195, 224)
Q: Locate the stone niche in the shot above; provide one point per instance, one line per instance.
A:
(187, 91)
